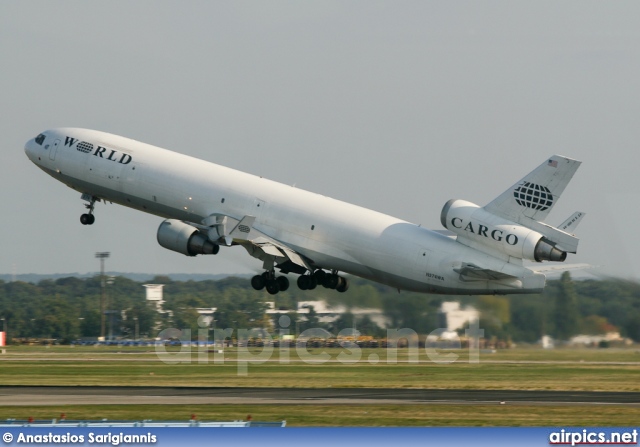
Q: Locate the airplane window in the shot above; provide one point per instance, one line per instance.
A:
(40, 139)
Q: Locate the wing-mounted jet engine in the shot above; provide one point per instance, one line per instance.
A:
(183, 238)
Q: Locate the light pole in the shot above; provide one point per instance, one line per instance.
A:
(111, 312)
(102, 255)
(135, 319)
(80, 321)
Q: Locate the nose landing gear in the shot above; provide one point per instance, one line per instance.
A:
(89, 218)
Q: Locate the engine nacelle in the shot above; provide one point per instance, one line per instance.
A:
(475, 225)
(186, 239)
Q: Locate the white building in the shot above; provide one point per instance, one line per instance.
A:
(590, 340)
(154, 295)
(329, 314)
(207, 316)
(451, 317)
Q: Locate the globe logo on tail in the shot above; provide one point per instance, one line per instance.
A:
(533, 196)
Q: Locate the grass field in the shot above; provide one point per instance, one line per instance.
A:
(516, 369)
(592, 370)
(351, 415)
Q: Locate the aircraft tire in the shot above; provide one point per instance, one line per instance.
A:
(283, 283)
(313, 282)
(87, 219)
(319, 275)
(343, 285)
(331, 281)
(272, 287)
(303, 282)
(258, 282)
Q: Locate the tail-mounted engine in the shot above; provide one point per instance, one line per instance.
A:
(479, 228)
(184, 238)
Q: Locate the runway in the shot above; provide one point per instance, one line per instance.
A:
(74, 395)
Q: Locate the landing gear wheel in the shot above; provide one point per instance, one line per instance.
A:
(331, 281)
(303, 282)
(272, 287)
(343, 285)
(283, 283)
(313, 282)
(319, 275)
(258, 282)
(87, 219)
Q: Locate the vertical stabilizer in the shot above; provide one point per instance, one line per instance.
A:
(534, 196)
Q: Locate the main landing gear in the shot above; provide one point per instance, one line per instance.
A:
(269, 281)
(89, 218)
(326, 280)
(273, 284)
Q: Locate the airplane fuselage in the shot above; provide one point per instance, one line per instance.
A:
(333, 234)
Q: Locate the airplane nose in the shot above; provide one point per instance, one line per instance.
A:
(28, 148)
(33, 147)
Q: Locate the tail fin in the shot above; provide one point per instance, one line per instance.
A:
(534, 196)
(529, 201)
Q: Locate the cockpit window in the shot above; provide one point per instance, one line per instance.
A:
(40, 139)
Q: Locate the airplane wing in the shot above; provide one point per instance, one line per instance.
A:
(257, 244)
(271, 252)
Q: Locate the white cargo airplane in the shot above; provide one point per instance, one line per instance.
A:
(208, 206)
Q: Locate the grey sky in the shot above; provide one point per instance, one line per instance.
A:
(395, 106)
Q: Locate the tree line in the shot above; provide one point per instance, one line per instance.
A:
(69, 308)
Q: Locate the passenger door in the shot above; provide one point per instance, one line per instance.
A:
(53, 150)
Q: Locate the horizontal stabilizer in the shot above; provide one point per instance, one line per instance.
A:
(551, 268)
(562, 240)
(569, 225)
